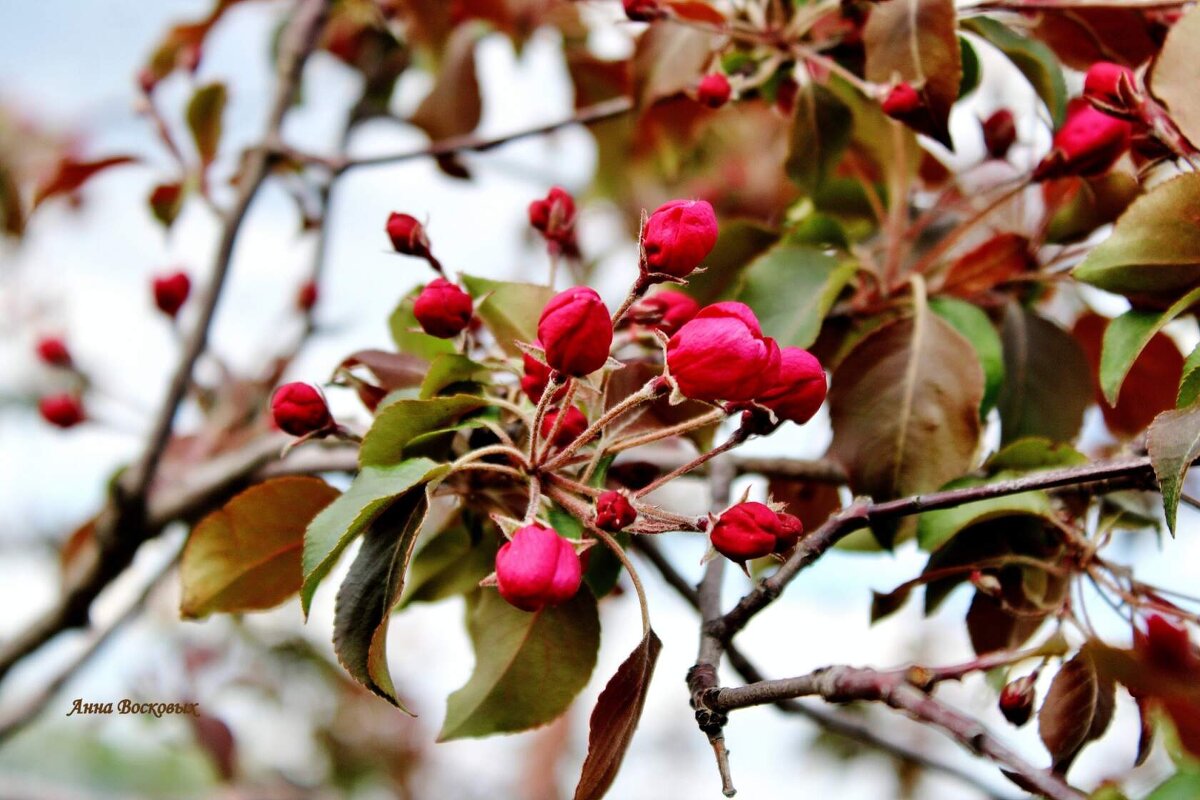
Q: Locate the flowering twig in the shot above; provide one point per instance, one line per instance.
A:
(650, 391)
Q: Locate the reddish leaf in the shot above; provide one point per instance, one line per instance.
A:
(812, 501)
(77, 553)
(71, 174)
(615, 718)
(667, 59)
(695, 12)
(1083, 36)
(165, 200)
(453, 106)
(392, 370)
(216, 739)
(1068, 715)
(999, 259)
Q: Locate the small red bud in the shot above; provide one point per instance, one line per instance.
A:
(1017, 699)
(713, 90)
(752, 530)
(537, 568)
(443, 309)
(1167, 645)
(62, 410)
(171, 292)
(300, 409)
(902, 101)
(614, 512)
(1088, 143)
(643, 10)
(1111, 86)
(554, 217)
(576, 330)
(986, 583)
(306, 297)
(798, 388)
(407, 235)
(574, 423)
(666, 311)
(53, 351)
(678, 237)
(999, 133)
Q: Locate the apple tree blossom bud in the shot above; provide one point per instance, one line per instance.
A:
(576, 331)
(999, 133)
(1166, 645)
(300, 409)
(666, 311)
(306, 297)
(1111, 86)
(554, 217)
(721, 354)
(614, 512)
(678, 236)
(171, 292)
(1017, 698)
(1088, 143)
(537, 568)
(61, 410)
(443, 309)
(643, 10)
(799, 387)
(713, 90)
(407, 235)
(574, 423)
(53, 351)
(752, 530)
(902, 101)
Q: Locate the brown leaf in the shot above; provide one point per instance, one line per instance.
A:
(78, 553)
(204, 113)
(999, 259)
(1083, 36)
(693, 11)
(392, 370)
(1146, 730)
(1065, 721)
(72, 173)
(812, 501)
(667, 59)
(453, 106)
(917, 41)
(216, 739)
(1176, 70)
(615, 718)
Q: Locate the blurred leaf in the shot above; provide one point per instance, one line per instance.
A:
(667, 59)
(398, 423)
(408, 336)
(216, 739)
(451, 563)
(1034, 453)
(1155, 247)
(615, 718)
(974, 326)
(1189, 381)
(1035, 60)
(935, 528)
(392, 370)
(1127, 337)
(1085, 204)
(450, 369)
(694, 11)
(372, 588)
(820, 134)
(510, 310)
(204, 113)
(1174, 443)
(813, 280)
(373, 490)
(1173, 78)
(1047, 384)
(1077, 710)
(246, 555)
(884, 605)
(970, 68)
(1183, 785)
(739, 244)
(70, 174)
(917, 41)
(12, 209)
(166, 200)
(529, 666)
(1000, 259)
(1083, 36)
(453, 106)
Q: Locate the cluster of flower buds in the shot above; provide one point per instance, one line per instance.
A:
(752, 530)
(537, 568)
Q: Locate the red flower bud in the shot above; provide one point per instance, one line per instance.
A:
(713, 90)
(722, 355)
(902, 101)
(1017, 698)
(1110, 85)
(752, 530)
(61, 410)
(1166, 645)
(300, 409)
(643, 10)
(666, 311)
(999, 133)
(306, 298)
(443, 309)
(555, 217)
(799, 387)
(574, 423)
(171, 292)
(678, 236)
(576, 330)
(1088, 143)
(53, 351)
(407, 235)
(614, 512)
(537, 568)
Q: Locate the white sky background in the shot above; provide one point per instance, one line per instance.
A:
(86, 273)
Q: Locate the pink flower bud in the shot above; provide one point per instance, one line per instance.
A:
(752, 530)
(901, 102)
(407, 235)
(554, 217)
(666, 311)
(999, 133)
(1110, 85)
(576, 330)
(799, 387)
(713, 90)
(61, 410)
(574, 423)
(643, 10)
(443, 309)
(678, 236)
(171, 292)
(614, 512)
(537, 568)
(1088, 143)
(1017, 698)
(722, 355)
(53, 351)
(306, 298)
(300, 409)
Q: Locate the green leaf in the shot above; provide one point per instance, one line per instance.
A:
(406, 333)
(740, 242)
(204, 119)
(373, 490)
(510, 310)
(1189, 382)
(974, 325)
(528, 666)
(813, 280)
(449, 369)
(1034, 453)
(1180, 786)
(1126, 337)
(970, 68)
(1047, 385)
(372, 588)
(246, 555)
(1035, 60)
(1154, 250)
(1174, 443)
(820, 134)
(451, 563)
(399, 422)
(935, 528)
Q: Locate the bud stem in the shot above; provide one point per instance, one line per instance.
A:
(738, 437)
(687, 426)
(623, 557)
(563, 405)
(552, 384)
(643, 395)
